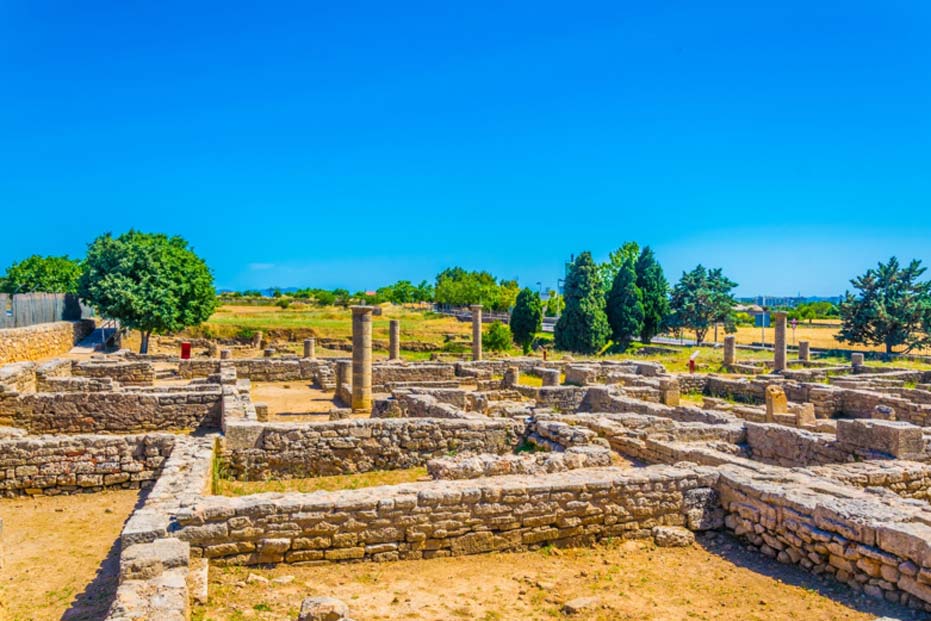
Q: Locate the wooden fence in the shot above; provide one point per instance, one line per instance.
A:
(29, 309)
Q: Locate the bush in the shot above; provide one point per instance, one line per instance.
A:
(283, 303)
(497, 338)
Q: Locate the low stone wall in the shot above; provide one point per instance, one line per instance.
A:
(43, 340)
(282, 369)
(907, 479)
(450, 518)
(130, 411)
(257, 451)
(82, 463)
(874, 542)
(18, 377)
(126, 372)
(393, 372)
(485, 465)
(789, 447)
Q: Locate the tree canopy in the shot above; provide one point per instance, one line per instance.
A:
(892, 308)
(625, 306)
(700, 299)
(149, 282)
(458, 287)
(583, 325)
(655, 291)
(42, 274)
(609, 269)
(526, 318)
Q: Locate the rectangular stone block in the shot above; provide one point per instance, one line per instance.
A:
(897, 438)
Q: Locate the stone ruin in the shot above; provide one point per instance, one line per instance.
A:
(828, 472)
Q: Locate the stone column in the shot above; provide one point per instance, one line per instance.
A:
(394, 340)
(343, 372)
(779, 342)
(730, 350)
(857, 359)
(804, 351)
(511, 377)
(310, 348)
(362, 358)
(257, 339)
(476, 331)
(225, 354)
(669, 391)
(269, 352)
(550, 377)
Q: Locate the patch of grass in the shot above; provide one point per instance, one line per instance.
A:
(227, 487)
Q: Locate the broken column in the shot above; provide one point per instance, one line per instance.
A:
(776, 402)
(310, 348)
(730, 350)
(669, 391)
(804, 351)
(779, 342)
(394, 340)
(343, 380)
(225, 354)
(550, 376)
(476, 331)
(257, 340)
(511, 377)
(857, 359)
(362, 358)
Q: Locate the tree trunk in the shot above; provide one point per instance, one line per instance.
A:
(144, 341)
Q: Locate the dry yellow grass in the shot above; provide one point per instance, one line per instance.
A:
(227, 487)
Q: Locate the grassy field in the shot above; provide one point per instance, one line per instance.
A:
(226, 487)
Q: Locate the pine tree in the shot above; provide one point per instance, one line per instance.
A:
(526, 318)
(655, 290)
(700, 299)
(625, 306)
(583, 325)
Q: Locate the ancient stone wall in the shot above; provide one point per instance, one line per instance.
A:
(281, 450)
(42, 341)
(130, 411)
(81, 463)
(126, 372)
(879, 547)
(450, 518)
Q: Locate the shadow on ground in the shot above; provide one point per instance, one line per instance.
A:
(732, 550)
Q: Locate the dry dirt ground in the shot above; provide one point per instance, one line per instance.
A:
(229, 487)
(715, 580)
(61, 555)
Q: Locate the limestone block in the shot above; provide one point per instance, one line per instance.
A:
(897, 438)
(776, 402)
(323, 609)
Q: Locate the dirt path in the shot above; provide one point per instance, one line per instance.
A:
(717, 580)
(61, 556)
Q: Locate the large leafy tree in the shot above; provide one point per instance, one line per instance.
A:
(700, 299)
(609, 269)
(149, 282)
(42, 274)
(655, 291)
(458, 287)
(892, 308)
(526, 318)
(583, 325)
(625, 306)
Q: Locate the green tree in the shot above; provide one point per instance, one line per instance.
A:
(609, 269)
(891, 308)
(497, 338)
(149, 282)
(700, 299)
(625, 306)
(655, 290)
(457, 287)
(554, 304)
(583, 325)
(526, 318)
(42, 274)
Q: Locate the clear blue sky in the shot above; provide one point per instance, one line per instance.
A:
(352, 144)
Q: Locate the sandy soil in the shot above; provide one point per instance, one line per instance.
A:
(61, 555)
(717, 580)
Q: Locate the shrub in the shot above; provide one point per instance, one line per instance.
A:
(497, 338)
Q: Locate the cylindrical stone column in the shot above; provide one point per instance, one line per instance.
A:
(225, 354)
(779, 342)
(394, 340)
(550, 377)
(730, 350)
(476, 331)
(257, 339)
(362, 358)
(804, 351)
(857, 359)
(511, 377)
(343, 373)
(310, 348)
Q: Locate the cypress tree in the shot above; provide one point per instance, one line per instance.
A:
(625, 306)
(583, 325)
(655, 291)
(526, 318)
